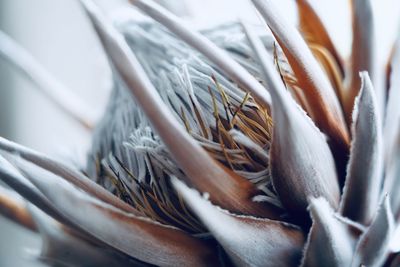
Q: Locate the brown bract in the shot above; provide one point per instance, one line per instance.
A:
(249, 241)
(326, 110)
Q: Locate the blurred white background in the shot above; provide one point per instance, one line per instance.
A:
(58, 35)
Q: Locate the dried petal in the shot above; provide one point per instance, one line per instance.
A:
(364, 175)
(331, 241)
(12, 206)
(331, 68)
(317, 89)
(248, 241)
(62, 245)
(137, 237)
(226, 188)
(15, 180)
(373, 246)
(315, 32)
(321, 45)
(301, 161)
(67, 172)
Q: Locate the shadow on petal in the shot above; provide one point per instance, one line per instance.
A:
(332, 240)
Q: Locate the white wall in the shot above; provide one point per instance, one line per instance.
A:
(59, 36)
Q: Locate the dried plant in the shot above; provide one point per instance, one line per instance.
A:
(226, 147)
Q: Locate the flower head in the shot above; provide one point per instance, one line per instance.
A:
(229, 146)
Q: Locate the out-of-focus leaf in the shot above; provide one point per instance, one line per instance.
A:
(392, 116)
(364, 176)
(248, 241)
(13, 207)
(363, 52)
(52, 88)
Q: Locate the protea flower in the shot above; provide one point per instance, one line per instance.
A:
(226, 147)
